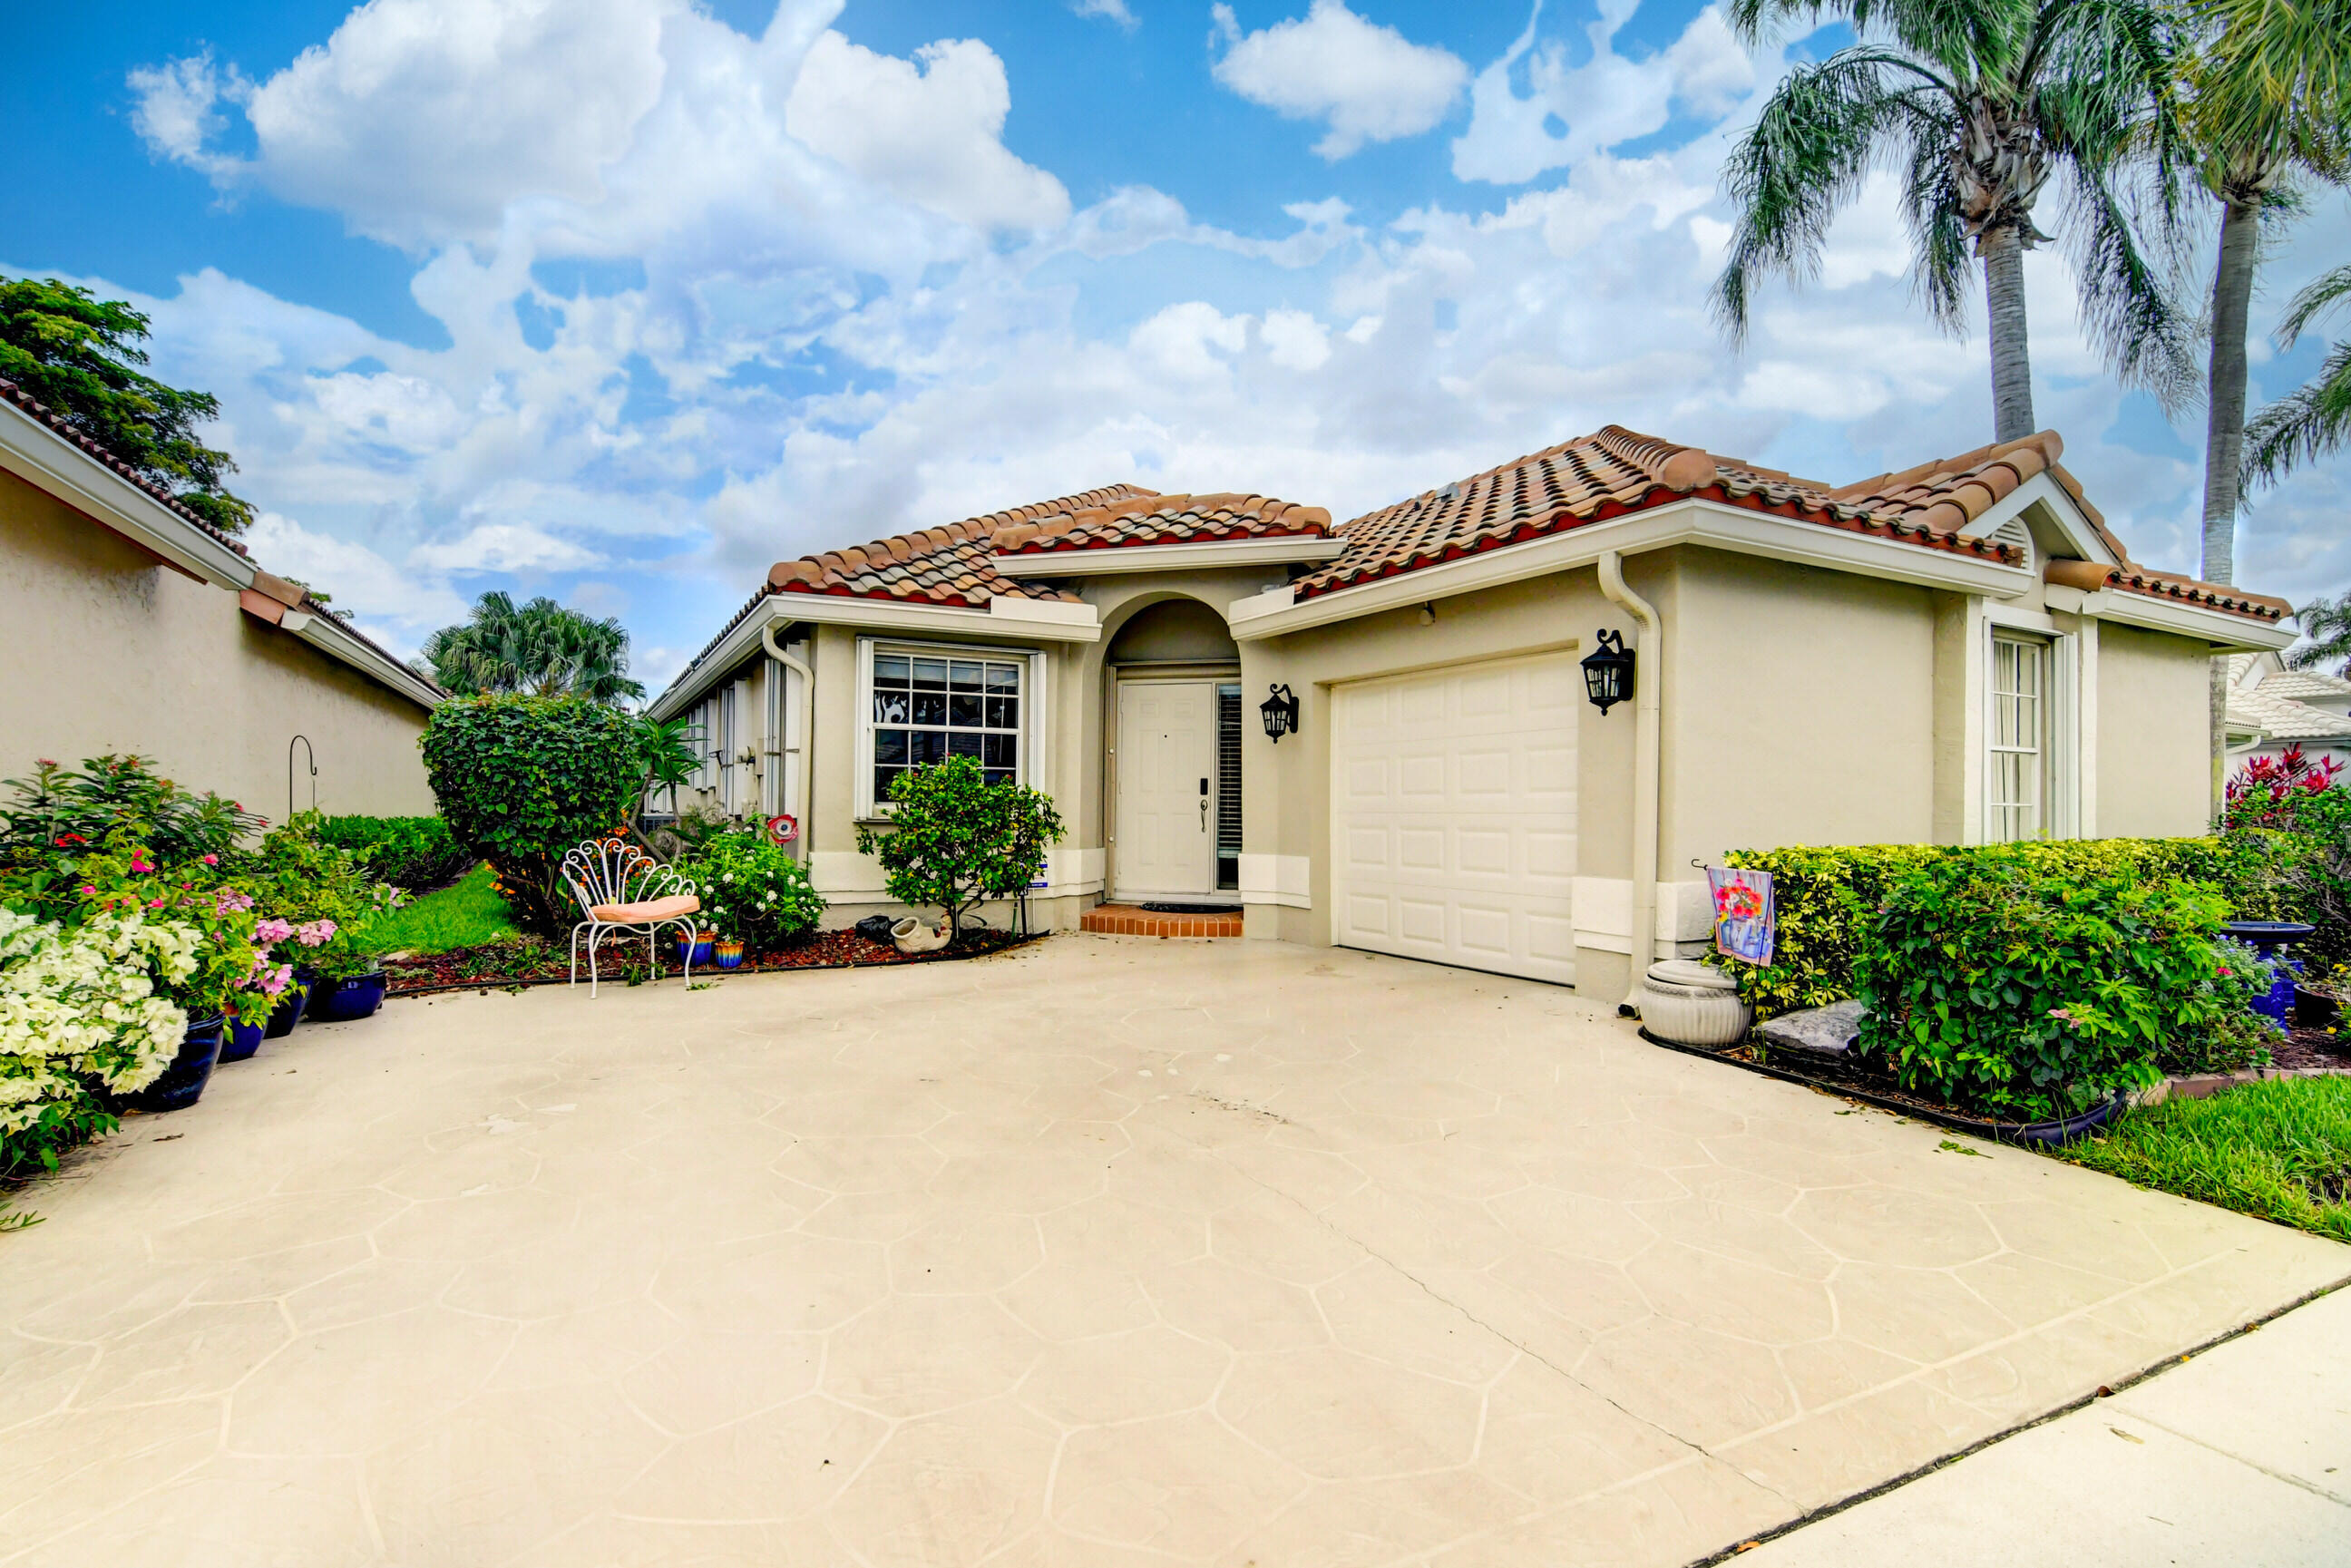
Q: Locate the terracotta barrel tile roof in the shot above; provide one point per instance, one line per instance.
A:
(946, 566)
(2131, 578)
(1164, 519)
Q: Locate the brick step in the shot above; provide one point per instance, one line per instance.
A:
(1128, 920)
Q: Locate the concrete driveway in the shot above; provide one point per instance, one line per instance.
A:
(1109, 1252)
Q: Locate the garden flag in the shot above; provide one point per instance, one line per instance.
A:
(1742, 912)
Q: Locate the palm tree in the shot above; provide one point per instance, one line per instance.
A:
(2314, 419)
(540, 648)
(1976, 105)
(2326, 622)
(2269, 100)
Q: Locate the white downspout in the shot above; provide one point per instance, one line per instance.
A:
(796, 729)
(1645, 680)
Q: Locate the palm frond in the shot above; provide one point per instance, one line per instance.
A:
(1943, 266)
(2326, 626)
(2315, 300)
(2129, 304)
(2309, 422)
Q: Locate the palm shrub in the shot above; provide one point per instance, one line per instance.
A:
(955, 840)
(523, 780)
(753, 891)
(1974, 107)
(2028, 995)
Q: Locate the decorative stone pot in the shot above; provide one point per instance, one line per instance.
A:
(730, 954)
(1684, 1002)
(347, 999)
(244, 1039)
(2314, 1008)
(183, 1082)
(2270, 939)
(913, 936)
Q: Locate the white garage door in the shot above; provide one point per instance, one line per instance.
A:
(1453, 831)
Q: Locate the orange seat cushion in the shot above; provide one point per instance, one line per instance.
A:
(668, 908)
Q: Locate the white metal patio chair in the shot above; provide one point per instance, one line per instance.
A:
(623, 891)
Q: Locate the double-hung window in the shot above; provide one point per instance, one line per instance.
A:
(2017, 787)
(927, 705)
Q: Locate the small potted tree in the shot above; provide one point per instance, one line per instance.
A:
(955, 841)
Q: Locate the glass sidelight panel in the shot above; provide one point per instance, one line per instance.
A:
(1228, 786)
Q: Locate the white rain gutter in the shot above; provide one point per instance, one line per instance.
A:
(1645, 771)
(796, 727)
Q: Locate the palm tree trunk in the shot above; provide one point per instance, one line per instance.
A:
(2002, 250)
(2224, 437)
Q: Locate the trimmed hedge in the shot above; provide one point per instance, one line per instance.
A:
(1828, 899)
(417, 853)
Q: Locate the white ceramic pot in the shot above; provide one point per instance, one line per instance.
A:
(912, 935)
(1690, 1004)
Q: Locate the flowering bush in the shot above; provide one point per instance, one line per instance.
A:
(80, 1006)
(57, 810)
(2287, 793)
(314, 900)
(751, 889)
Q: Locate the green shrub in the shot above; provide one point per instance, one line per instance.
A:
(1826, 898)
(314, 898)
(522, 781)
(752, 890)
(417, 853)
(955, 840)
(2027, 991)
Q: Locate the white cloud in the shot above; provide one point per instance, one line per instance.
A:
(504, 547)
(357, 578)
(1108, 10)
(928, 130)
(1295, 341)
(1181, 340)
(1366, 82)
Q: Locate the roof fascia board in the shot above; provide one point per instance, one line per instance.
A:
(43, 458)
(1169, 556)
(1710, 523)
(2043, 488)
(2226, 632)
(331, 637)
(1032, 620)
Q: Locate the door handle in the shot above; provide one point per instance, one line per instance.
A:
(1204, 805)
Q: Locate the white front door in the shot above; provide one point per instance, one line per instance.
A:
(1166, 765)
(1453, 824)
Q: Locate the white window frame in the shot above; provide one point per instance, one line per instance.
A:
(1031, 730)
(2061, 720)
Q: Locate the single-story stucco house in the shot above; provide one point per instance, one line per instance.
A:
(134, 627)
(1958, 653)
(2272, 708)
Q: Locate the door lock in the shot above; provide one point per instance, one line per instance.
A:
(1204, 805)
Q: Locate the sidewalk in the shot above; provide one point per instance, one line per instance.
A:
(2242, 1456)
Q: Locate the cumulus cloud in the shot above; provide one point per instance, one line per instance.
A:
(1108, 10)
(504, 547)
(1366, 82)
(928, 130)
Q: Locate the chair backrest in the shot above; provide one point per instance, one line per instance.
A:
(614, 871)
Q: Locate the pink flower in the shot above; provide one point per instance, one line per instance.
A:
(317, 933)
(272, 931)
(276, 982)
(212, 859)
(154, 904)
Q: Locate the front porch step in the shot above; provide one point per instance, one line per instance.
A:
(1127, 920)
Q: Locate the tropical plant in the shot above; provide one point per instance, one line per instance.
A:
(2326, 630)
(2268, 104)
(522, 781)
(538, 649)
(79, 354)
(669, 753)
(751, 889)
(2314, 419)
(1975, 108)
(59, 809)
(955, 840)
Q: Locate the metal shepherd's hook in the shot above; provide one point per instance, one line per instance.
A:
(313, 756)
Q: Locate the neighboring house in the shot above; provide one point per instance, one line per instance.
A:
(133, 627)
(1958, 653)
(2271, 708)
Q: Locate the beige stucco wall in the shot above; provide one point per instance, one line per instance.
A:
(110, 651)
(2153, 744)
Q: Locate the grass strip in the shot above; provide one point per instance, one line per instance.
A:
(2279, 1149)
(466, 913)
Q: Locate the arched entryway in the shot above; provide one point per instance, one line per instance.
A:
(1174, 757)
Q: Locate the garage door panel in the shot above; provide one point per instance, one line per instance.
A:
(1457, 811)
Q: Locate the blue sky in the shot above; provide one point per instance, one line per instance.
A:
(622, 299)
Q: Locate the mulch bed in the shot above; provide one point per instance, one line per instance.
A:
(519, 961)
(2306, 1048)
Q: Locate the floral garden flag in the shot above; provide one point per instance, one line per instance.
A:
(1742, 912)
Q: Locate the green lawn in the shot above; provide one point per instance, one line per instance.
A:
(465, 914)
(2278, 1150)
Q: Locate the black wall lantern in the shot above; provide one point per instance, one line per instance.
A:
(1280, 713)
(1608, 671)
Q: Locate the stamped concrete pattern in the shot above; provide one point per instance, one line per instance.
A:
(1108, 1252)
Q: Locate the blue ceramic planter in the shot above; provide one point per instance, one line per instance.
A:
(701, 951)
(342, 1002)
(289, 1012)
(244, 1040)
(2270, 939)
(182, 1083)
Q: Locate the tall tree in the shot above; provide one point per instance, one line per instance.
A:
(79, 355)
(2314, 419)
(2268, 103)
(540, 647)
(1976, 105)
